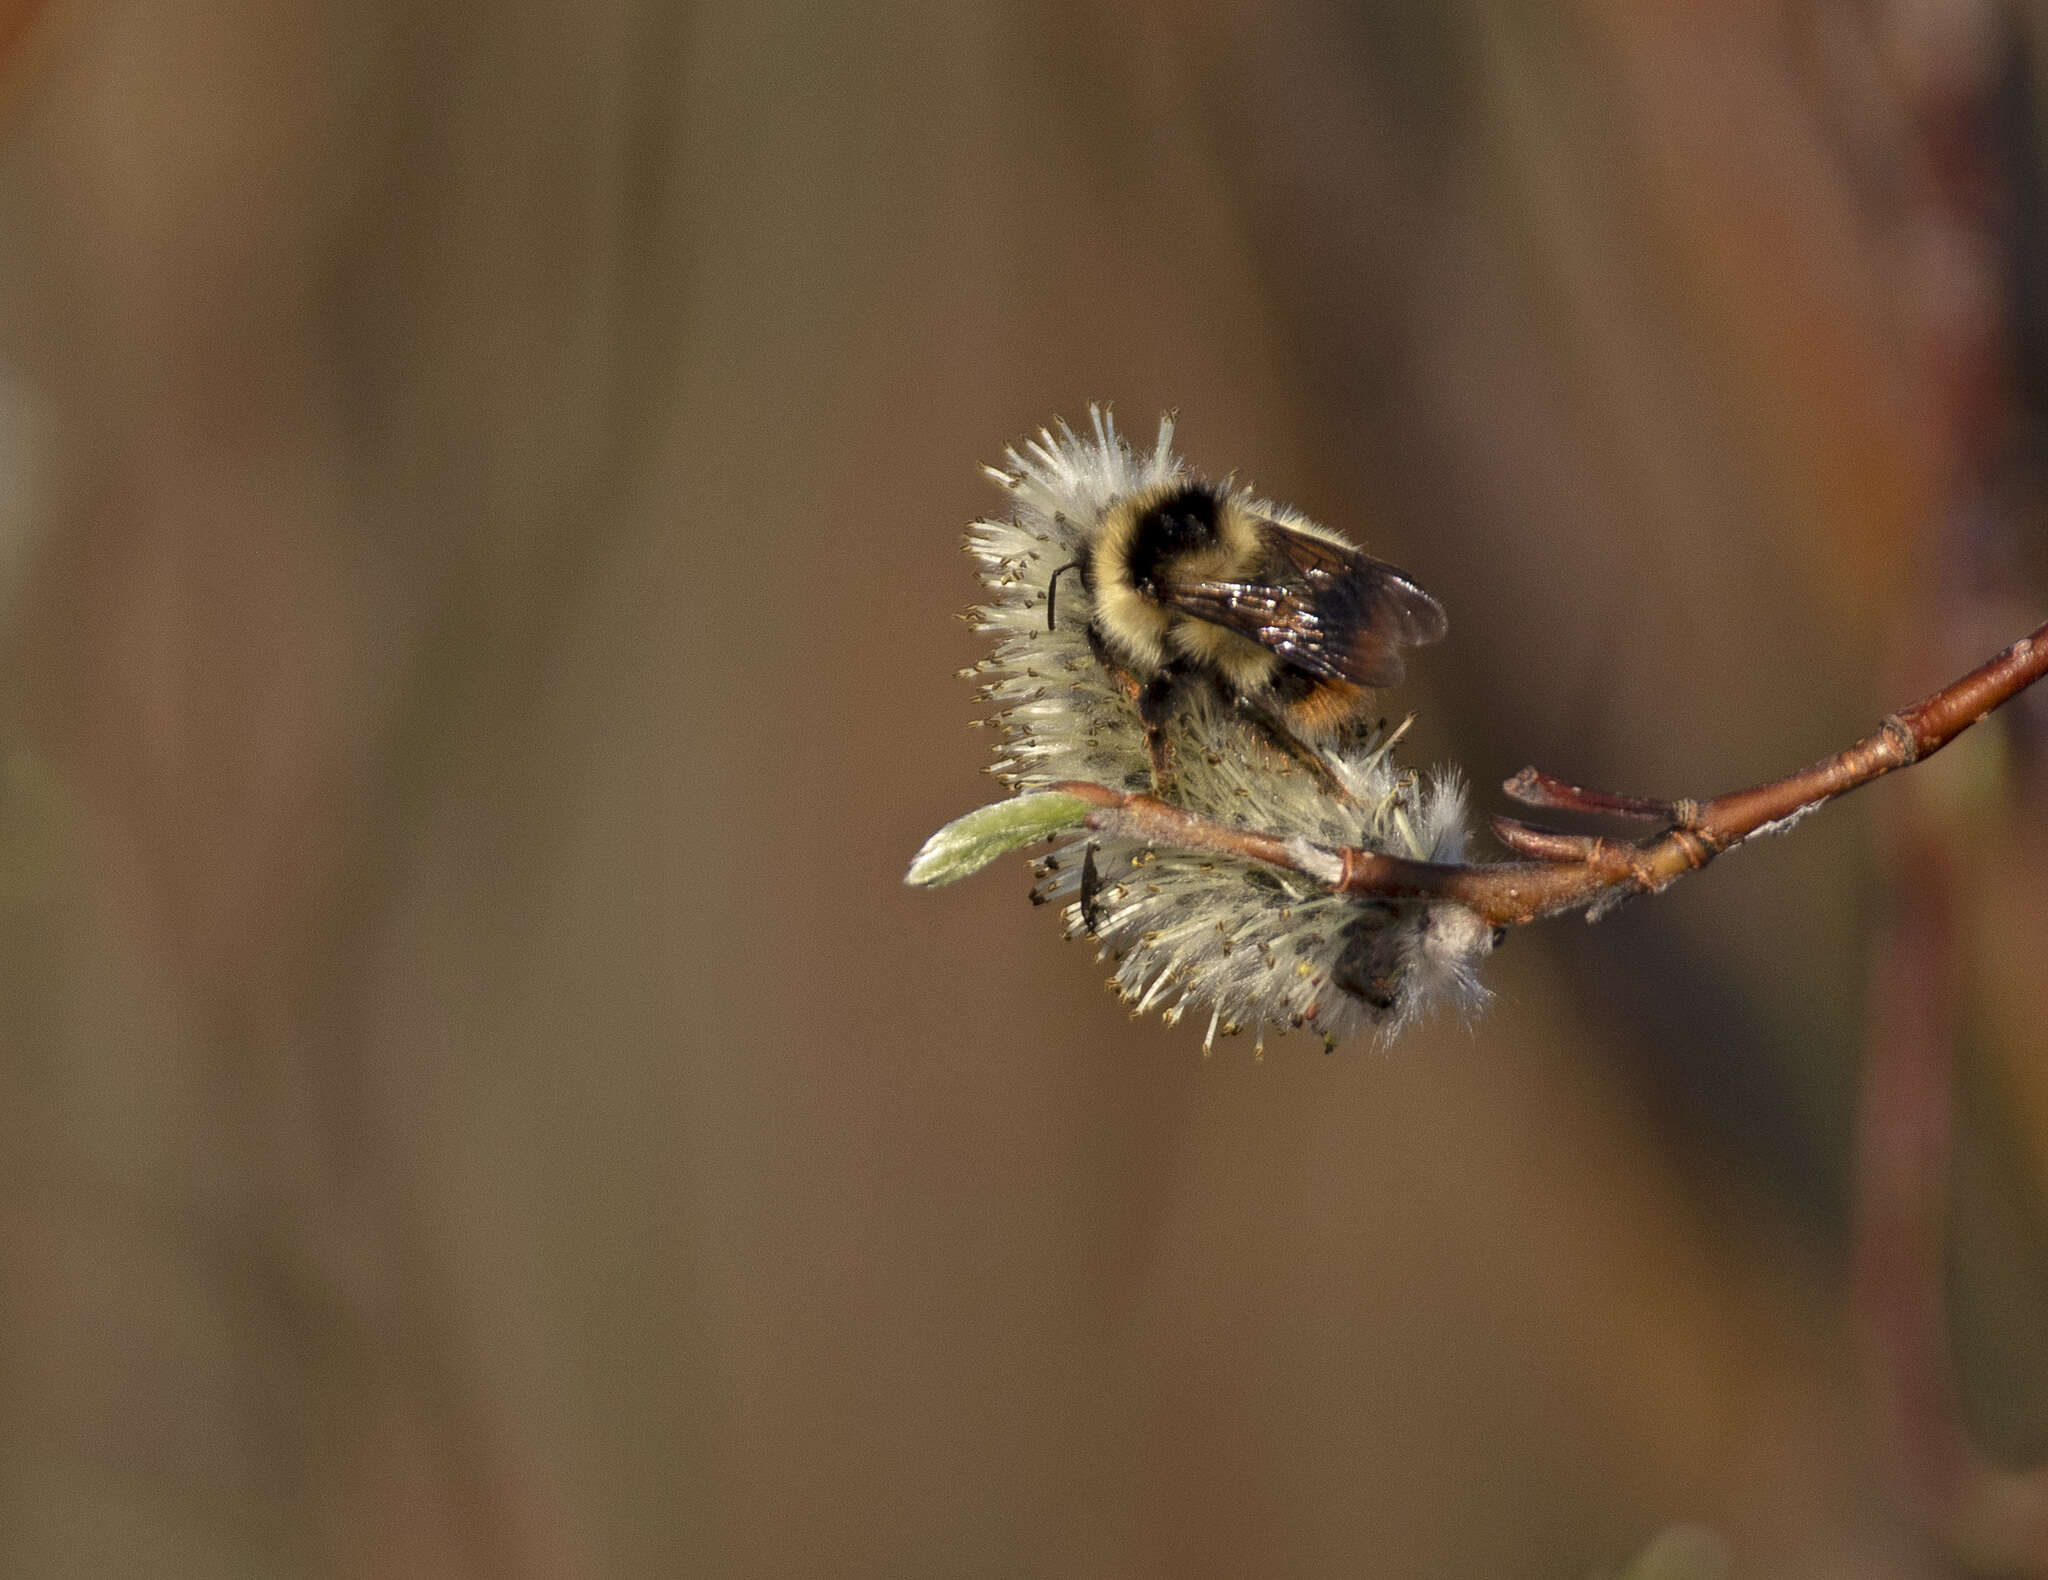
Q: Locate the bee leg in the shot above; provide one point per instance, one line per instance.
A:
(1155, 701)
(1112, 665)
(1287, 743)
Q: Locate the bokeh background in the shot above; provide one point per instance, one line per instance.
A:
(481, 489)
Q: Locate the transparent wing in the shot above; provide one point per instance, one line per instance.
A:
(1325, 609)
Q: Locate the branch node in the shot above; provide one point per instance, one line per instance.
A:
(1903, 741)
(1697, 847)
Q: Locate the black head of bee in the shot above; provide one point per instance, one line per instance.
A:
(1185, 521)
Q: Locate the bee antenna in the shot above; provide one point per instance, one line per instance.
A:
(1053, 586)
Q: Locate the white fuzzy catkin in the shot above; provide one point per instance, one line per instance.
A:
(1255, 947)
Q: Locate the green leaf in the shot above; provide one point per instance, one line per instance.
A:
(967, 844)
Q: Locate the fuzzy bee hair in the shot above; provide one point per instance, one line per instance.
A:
(1193, 584)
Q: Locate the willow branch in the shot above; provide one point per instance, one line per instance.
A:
(1569, 872)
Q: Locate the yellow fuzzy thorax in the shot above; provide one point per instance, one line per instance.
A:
(1146, 635)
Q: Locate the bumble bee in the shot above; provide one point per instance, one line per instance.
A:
(1193, 584)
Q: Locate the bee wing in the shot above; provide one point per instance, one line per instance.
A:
(1324, 608)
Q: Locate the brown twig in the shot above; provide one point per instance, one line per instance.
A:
(1574, 872)
(1532, 787)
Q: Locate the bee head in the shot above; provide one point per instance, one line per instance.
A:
(1184, 521)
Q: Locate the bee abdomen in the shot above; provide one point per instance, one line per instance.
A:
(1321, 709)
(1290, 686)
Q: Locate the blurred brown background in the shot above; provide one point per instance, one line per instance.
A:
(481, 490)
